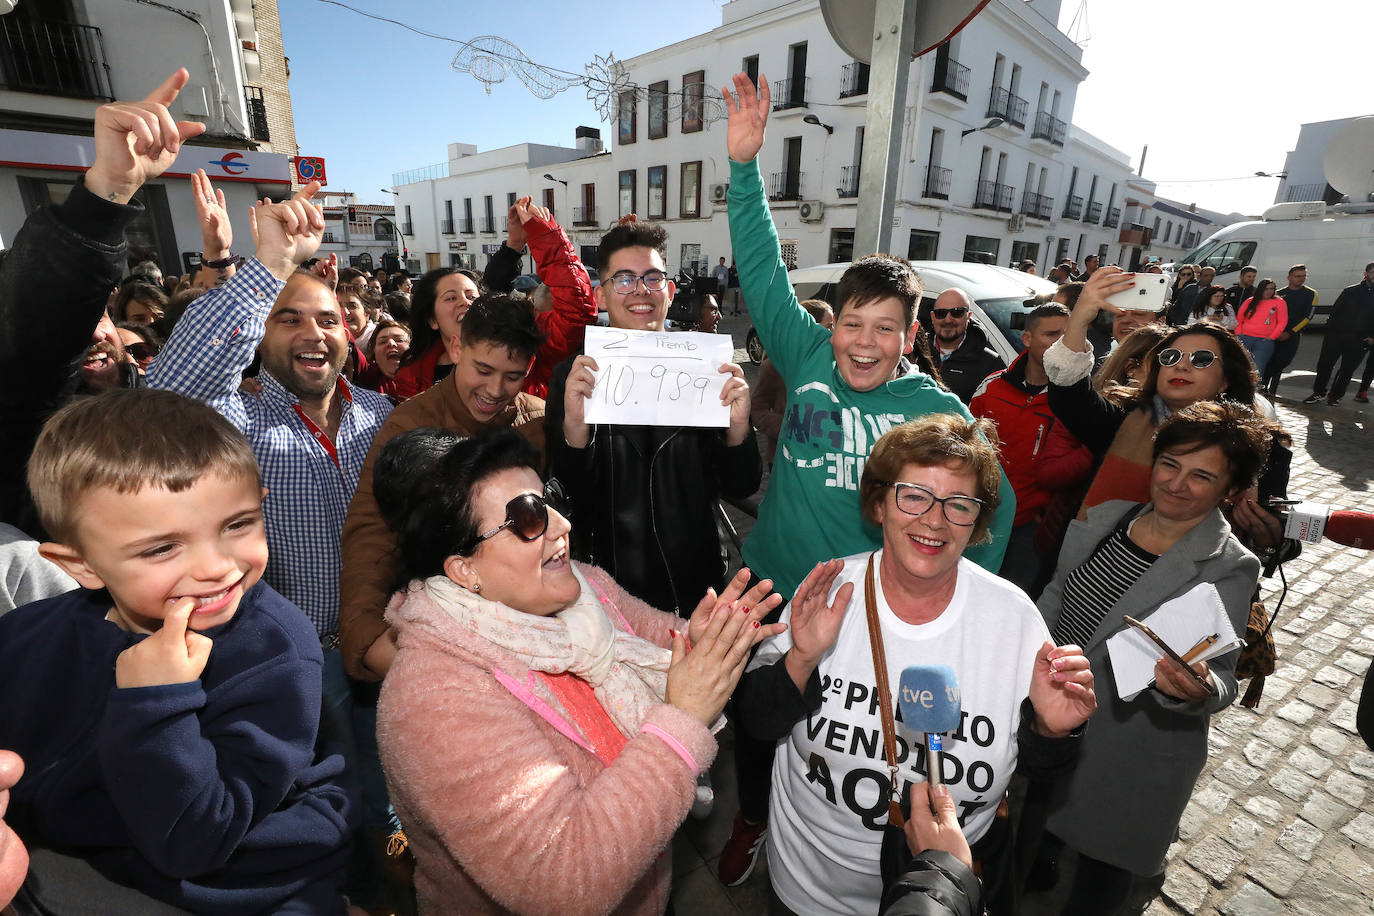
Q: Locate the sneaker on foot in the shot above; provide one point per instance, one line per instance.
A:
(1362, 397)
(741, 852)
(1313, 398)
(1332, 402)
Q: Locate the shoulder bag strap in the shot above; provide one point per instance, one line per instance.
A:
(875, 640)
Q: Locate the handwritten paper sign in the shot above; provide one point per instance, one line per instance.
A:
(658, 378)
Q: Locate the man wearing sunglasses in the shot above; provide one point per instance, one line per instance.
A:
(960, 349)
(644, 498)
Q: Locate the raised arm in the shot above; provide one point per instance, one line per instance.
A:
(562, 272)
(787, 331)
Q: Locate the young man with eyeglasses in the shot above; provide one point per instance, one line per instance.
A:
(960, 348)
(643, 498)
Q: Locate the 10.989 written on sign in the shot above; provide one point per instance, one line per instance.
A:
(658, 378)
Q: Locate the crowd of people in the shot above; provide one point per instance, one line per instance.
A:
(311, 571)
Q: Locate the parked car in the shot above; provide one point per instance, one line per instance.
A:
(998, 293)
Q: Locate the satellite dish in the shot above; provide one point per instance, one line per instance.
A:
(937, 21)
(1349, 160)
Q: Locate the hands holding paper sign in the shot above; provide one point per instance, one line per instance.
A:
(655, 378)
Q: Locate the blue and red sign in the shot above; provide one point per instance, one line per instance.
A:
(308, 168)
(232, 163)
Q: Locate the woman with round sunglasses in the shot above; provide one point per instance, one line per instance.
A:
(1120, 805)
(1203, 362)
(931, 486)
(541, 730)
(1259, 322)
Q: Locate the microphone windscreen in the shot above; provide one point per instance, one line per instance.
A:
(928, 696)
(1351, 528)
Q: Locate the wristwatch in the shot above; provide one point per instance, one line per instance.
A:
(230, 261)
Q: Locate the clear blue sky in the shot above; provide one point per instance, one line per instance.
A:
(1217, 89)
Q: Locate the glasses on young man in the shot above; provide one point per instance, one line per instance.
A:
(625, 282)
(959, 311)
(914, 499)
(1198, 359)
(142, 350)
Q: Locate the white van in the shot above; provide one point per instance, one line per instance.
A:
(997, 293)
(1335, 243)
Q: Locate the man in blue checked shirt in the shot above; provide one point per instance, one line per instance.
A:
(309, 428)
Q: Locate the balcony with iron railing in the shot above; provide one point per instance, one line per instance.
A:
(1010, 108)
(53, 57)
(584, 216)
(951, 77)
(1135, 234)
(383, 232)
(489, 224)
(785, 185)
(1073, 208)
(849, 181)
(853, 79)
(1094, 213)
(790, 93)
(993, 195)
(937, 182)
(446, 227)
(1050, 128)
(465, 226)
(1036, 206)
(257, 114)
(1113, 218)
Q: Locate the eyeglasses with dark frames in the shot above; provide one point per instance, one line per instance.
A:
(626, 282)
(914, 499)
(959, 311)
(527, 515)
(1198, 359)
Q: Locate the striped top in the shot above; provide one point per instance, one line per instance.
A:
(1093, 588)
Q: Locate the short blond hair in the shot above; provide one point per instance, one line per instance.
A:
(128, 439)
(936, 440)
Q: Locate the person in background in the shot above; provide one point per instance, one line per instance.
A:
(1089, 265)
(1348, 333)
(388, 345)
(1205, 275)
(734, 290)
(140, 342)
(1260, 321)
(1026, 266)
(770, 394)
(139, 302)
(1210, 305)
(1182, 295)
(959, 347)
(398, 307)
(1242, 289)
(441, 299)
(352, 276)
(708, 320)
(1016, 401)
(721, 274)
(1301, 300)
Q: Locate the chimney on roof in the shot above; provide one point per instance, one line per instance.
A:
(588, 140)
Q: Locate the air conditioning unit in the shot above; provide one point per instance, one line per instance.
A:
(718, 192)
(1016, 223)
(811, 211)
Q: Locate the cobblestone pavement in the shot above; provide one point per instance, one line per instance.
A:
(1282, 819)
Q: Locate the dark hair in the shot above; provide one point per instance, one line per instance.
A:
(630, 235)
(1178, 279)
(877, 277)
(398, 306)
(1048, 310)
(422, 301)
(372, 301)
(139, 288)
(922, 358)
(1236, 364)
(1243, 437)
(1111, 379)
(1259, 288)
(817, 309)
(423, 482)
(1200, 306)
(383, 324)
(348, 274)
(176, 307)
(1071, 290)
(147, 332)
(504, 320)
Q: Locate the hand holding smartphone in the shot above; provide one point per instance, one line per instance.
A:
(1146, 296)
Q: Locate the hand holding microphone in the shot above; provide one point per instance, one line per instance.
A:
(1311, 522)
(928, 697)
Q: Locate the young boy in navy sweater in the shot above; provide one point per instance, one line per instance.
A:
(166, 711)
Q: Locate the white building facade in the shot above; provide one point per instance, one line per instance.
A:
(993, 169)
(108, 51)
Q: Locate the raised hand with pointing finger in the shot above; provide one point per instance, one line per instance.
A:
(137, 141)
(289, 232)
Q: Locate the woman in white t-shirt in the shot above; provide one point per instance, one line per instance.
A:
(931, 485)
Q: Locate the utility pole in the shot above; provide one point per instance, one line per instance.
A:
(893, 34)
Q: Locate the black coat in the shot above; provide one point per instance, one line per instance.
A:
(53, 286)
(643, 500)
(964, 369)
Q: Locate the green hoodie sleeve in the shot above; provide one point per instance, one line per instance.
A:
(788, 332)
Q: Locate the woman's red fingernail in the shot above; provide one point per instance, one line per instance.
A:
(672, 634)
(756, 624)
(745, 609)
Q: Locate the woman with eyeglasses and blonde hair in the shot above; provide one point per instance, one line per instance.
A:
(541, 730)
(931, 486)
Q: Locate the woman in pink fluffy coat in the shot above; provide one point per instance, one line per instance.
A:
(541, 730)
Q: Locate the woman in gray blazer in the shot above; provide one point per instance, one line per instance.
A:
(1121, 805)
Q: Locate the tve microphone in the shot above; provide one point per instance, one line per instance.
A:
(928, 696)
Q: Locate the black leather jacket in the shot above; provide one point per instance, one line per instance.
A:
(53, 285)
(643, 501)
